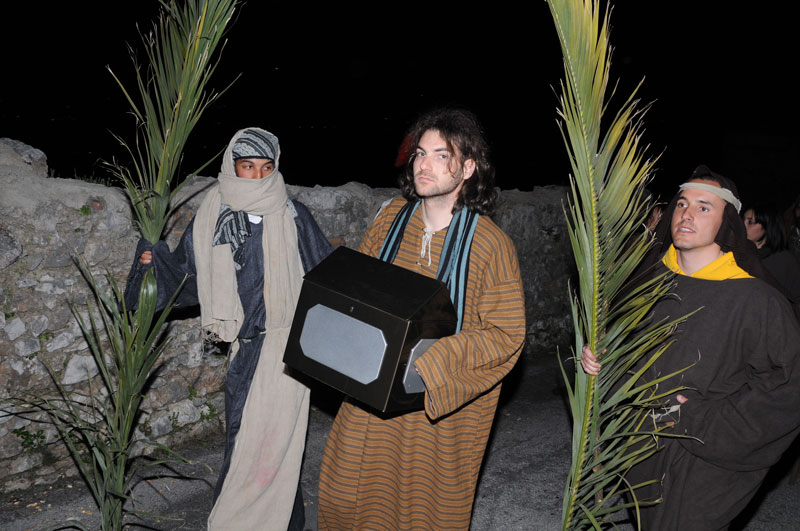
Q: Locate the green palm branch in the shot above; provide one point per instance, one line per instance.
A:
(98, 425)
(172, 97)
(612, 430)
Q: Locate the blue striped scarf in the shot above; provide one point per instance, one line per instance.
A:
(232, 227)
(454, 261)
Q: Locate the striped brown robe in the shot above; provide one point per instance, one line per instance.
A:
(419, 470)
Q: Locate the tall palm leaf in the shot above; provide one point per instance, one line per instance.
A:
(98, 427)
(605, 215)
(172, 97)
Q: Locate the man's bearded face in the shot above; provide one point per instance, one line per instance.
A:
(438, 171)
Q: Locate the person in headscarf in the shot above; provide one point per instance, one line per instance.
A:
(244, 255)
(741, 353)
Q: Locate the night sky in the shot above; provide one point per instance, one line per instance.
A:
(340, 85)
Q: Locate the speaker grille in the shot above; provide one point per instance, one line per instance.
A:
(343, 343)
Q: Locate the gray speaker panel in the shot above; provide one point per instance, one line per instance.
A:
(343, 343)
(411, 380)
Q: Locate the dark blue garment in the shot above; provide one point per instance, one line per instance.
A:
(170, 269)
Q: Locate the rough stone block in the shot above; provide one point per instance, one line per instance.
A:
(79, 368)
(27, 347)
(11, 444)
(10, 248)
(25, 462)
(194, 354)
(39, 325)
(185, 412)
(51, 288)
(15, 328)
(61, 341)
(160, 425)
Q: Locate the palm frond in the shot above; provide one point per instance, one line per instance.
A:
(181, 55)
(605, 215)
(98, 426)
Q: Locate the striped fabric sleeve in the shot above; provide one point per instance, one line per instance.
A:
(458, 368)
(372, 239)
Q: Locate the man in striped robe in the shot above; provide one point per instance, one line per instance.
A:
(419, 470)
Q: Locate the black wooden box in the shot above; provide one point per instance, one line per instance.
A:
(359, 325)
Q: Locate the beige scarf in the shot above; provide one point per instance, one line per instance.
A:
(220, 308)
(260, 486)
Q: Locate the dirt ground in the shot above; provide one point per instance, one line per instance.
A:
(520, 488)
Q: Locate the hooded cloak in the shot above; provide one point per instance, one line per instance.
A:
(737, 362)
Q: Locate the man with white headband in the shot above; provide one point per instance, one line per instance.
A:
(740, 406)
(244, 255)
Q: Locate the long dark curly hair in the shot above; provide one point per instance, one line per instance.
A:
(464, 136)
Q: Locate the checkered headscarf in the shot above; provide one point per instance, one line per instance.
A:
(257, 144)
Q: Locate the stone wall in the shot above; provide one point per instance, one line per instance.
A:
(42, 220)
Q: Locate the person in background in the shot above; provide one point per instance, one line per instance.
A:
(766, 230)
(654, 216)
(792, 221)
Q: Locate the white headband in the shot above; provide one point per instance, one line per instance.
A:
(722, 193)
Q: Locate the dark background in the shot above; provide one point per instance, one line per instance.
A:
(340, 85)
